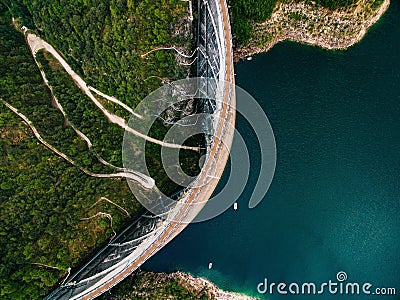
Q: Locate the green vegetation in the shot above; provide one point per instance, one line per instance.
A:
(376, 3)
(103, 40)
(296, 16)
(154, 286)
(43, 198)
(245, 12)
(83, 113)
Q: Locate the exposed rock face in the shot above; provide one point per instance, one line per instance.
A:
(315, 25)
(198, 284)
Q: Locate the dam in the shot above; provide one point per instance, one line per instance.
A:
(147, 235)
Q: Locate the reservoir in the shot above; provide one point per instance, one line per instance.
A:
(334, 203)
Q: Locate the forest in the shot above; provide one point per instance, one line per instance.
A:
(48, 206)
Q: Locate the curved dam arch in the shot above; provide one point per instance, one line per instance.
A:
(142, 239)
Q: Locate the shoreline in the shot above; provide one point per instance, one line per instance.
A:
(189, 281)
(155, 285)
(313, 25)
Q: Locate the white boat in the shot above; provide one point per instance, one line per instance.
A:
(235, 206)
(209, 265)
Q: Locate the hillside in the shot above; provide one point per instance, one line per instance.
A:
(54, 213)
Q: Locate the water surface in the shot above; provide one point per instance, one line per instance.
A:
(335, 199)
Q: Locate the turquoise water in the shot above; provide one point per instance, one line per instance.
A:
(334, 202)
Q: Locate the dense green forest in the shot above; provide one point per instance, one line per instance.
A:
(245, 12)
(43, 198)
(103, 40)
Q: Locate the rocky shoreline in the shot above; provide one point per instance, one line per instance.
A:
(177, 285)
(314, 25)
(211, 290)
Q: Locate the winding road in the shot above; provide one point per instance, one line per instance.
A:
(146, 181)
(36, 43)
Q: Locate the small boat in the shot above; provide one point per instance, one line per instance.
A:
(209, 265)
(249, 57)
(235, 206)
